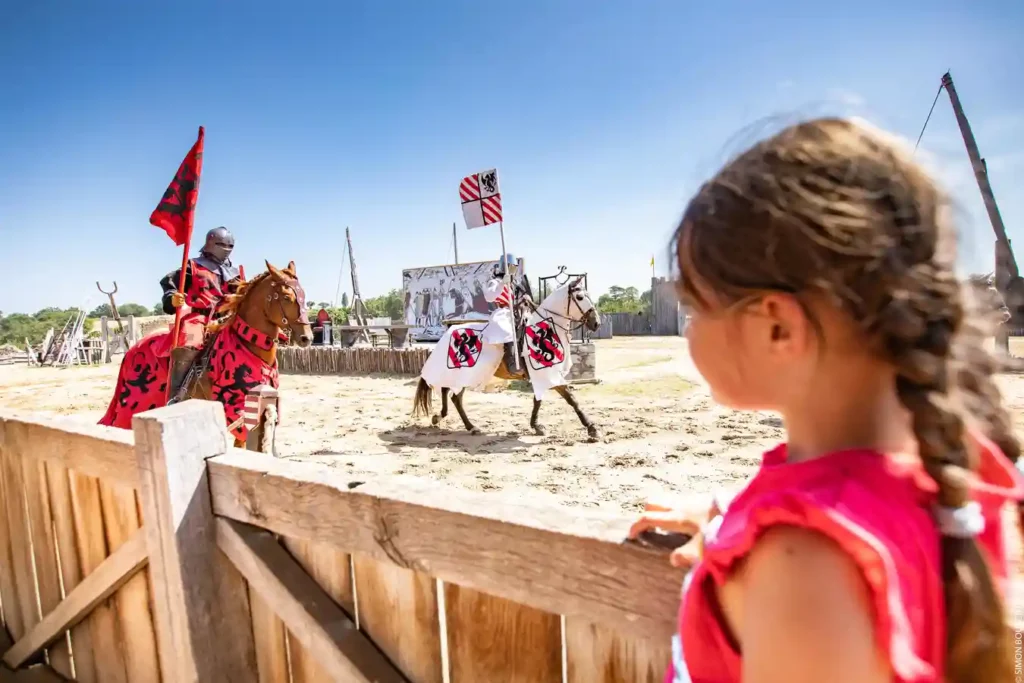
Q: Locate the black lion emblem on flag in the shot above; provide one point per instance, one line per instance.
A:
(464, 349)
(544, 347)
(489, 181)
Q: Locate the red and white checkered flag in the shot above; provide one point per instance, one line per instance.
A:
(481, 199)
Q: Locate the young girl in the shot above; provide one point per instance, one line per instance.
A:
(819, 270)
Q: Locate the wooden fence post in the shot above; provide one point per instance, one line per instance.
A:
(200, 601)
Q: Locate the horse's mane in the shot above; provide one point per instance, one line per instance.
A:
(228, 309)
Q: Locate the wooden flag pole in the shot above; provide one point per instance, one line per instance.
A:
(512, 295)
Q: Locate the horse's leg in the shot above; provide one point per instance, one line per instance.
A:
(457, 400)
(565, 391)
(436, 420)
(538, 429)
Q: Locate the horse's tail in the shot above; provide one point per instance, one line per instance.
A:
(423, 404)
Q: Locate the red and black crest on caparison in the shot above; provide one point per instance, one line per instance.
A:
(464, 349)
(543, 345)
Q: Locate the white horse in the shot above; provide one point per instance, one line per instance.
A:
(461, 360)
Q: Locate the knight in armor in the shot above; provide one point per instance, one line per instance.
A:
(209, 278)
(507, 285)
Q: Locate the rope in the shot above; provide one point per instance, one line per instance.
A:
(928, 118)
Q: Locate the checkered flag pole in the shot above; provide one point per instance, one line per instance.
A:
(480, 195)
(507, 277)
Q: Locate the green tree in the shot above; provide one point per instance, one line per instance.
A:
(390, 305)
(17, 327)
(339, 315)
(133, 309)
(624, 300)
(122, 310)
(158, 308)
(344, 299)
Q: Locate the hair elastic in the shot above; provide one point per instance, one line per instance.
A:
(720, 499)
(966, 521)
(709, 530)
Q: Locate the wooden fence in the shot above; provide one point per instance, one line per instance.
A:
(252, 569)
(665, 316)
(329, 360)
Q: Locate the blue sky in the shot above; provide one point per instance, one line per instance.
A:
(601, 118)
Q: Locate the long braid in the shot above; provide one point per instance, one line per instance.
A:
(938, 382)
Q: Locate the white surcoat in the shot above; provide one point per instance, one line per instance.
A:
(500, 327)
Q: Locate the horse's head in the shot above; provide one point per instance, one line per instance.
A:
(581, 303)
(574, 303)
(284, 304)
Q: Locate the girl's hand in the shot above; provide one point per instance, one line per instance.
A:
(177, 299)
(686, 520)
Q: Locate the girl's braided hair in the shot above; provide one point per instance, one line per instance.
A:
(833, 207)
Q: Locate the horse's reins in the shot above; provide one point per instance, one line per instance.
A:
(568, 329)
(275, 295)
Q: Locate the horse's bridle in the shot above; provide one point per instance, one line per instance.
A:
(569, 329)
(300, 299)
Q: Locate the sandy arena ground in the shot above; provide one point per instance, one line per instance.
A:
(661, 433)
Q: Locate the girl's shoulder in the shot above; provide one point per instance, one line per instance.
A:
(853, 496)
(872, 512)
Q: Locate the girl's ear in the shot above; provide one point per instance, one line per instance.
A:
(788, 323)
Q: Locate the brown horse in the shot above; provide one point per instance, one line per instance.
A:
(545, 345)
(239, 353)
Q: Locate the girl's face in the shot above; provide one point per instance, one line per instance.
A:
(755, 353)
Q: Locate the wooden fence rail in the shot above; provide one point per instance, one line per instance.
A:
(333, 360)
(250, 568)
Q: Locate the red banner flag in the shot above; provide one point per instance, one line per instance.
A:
(175, 211)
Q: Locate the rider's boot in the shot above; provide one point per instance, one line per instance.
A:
(182, 358)
(510, 357)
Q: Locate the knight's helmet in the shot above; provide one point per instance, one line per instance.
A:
(219, 244)
(507, 261)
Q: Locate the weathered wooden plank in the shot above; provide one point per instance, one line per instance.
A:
(131, 603)
(93, 450)
(492, 639)
(13, 621)
(332, 571)
(310, 615)
(398, 609)
(195, 588)
(268, 635)
(26, 597)
(44, 550)
(598, 654)
(565, 562)
(59, 485)
(110, 575)
(91, 541)
(39, 673)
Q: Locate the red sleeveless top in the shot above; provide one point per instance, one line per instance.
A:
(878, 510)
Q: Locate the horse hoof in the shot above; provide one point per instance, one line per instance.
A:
(436, 420)
(539, 430)
(593, 433)
(475, 431)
